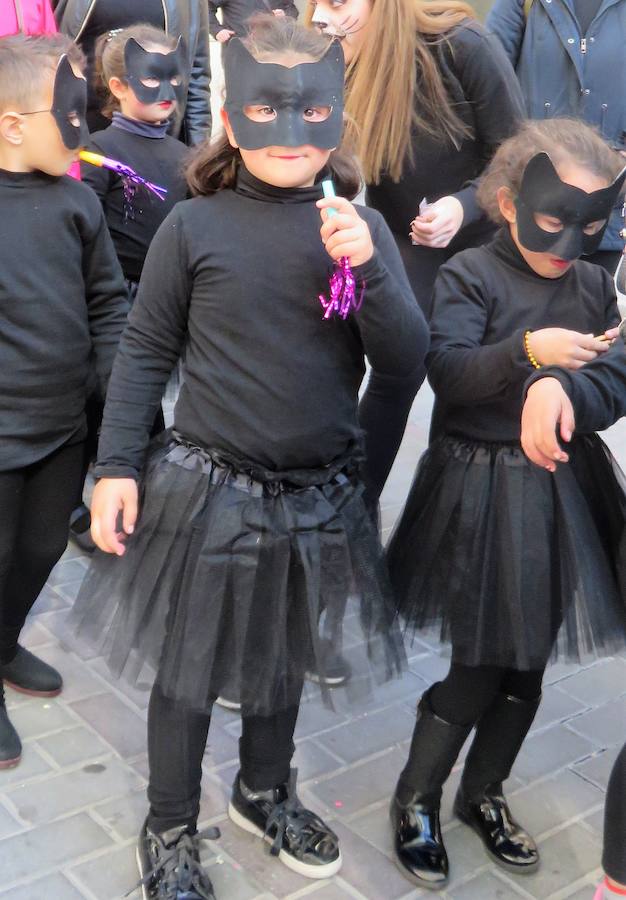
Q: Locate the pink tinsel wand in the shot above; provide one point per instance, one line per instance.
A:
(127, 173)
(342, 299)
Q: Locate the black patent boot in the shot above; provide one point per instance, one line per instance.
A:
(480, 802)
(418, 845)
(10, 744)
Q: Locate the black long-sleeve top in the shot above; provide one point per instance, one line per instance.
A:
(62, 297)
(597, 391)
(231, 281)
(484, 300)
(158, 159)
(235, 13)
(486, 96)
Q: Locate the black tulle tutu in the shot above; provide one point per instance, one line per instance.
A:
(231, 576)
(513, 564)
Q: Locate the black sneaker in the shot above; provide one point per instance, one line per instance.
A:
(30, 675)
(336, 669)
(299, 838)
(169, 864)
(10, 744)
(226, 703)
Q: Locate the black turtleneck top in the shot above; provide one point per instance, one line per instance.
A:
(62, 298)
(158, 158)
(484, 300)
(231, 283)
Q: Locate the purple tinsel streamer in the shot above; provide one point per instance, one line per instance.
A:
(343, 298)
(130, 177)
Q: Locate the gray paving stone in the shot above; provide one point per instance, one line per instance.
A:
(598, 768)
(560, 670)
(39, 717)
(126, 814)
(48, 600)
(486, 886)
(431, 668)
(368, 870)
(73, 745)
(584, 893)
(124, 729)
(78, 681)
(52, 887)
(232, 882)
(221, 746)
(545, 804)
(50, 846)
(556, 706)
(56, 623)
(314, 717)
(34, 635)
(330, 891)
(549, 750)
(252, 854)
(8, 824)
(66, 792)
(565, 857)
(604, 681)
(32, 764)
(361, 785)
(67, 570)
(408, 688)
(596, 823)
(138, 694)
(369, 734)
(110, 876)
(604, 725)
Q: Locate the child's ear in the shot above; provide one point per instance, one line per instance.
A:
(228, 128)
(506, 204)
(118, 88)
(12, 128)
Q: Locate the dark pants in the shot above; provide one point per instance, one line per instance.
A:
(177, 739)
(467, 692)
(35, 507)
(614, 856)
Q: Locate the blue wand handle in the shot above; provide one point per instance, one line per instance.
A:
(328, 189)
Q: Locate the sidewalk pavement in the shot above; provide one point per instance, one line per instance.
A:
(70, 813)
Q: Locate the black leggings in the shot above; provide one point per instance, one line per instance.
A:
(177, 739)
(468, 691)
(35, 507)
(614, 856)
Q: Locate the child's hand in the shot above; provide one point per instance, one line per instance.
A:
(546, 406)
(110, 497)
(568, 349)
(438, 224)
(345, 233)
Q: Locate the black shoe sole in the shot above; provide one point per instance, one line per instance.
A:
(530, 869)
(29, 691)
(326, 870)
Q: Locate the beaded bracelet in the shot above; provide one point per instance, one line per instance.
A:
(529, 353)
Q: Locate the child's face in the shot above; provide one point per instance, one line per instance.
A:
(285, 167)
(546, 263)
(347, 20)
(42, 148)
(130, 104)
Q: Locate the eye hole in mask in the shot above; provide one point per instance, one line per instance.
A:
(554, 226)
(258, 113)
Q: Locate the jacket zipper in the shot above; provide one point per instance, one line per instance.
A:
(85, 20)
(583, 45)
(167, 29)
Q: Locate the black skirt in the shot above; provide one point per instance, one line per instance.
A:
(232, 574)
(513, 564)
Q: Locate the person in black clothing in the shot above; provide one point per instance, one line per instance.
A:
(236, 13)
(514, 563)
(62, 299)
(85, 20)
(432, 95)
(138, 137)
(253, 521)
(562, 402)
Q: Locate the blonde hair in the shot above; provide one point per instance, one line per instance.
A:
(110, 62)
(562, 139)
(395, 61)
(25, 66)
(214, 165)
